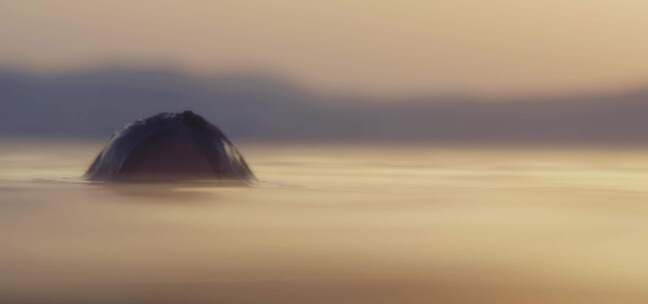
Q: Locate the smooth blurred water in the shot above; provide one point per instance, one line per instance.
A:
(331, 224)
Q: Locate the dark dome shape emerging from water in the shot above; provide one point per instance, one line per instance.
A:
(169, 146)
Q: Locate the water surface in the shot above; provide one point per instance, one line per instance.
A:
(331, 224)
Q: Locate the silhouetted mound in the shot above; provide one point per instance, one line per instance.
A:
(169, 146)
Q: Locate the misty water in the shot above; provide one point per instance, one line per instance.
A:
(331, 224)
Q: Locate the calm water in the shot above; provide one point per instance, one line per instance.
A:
(331, 224)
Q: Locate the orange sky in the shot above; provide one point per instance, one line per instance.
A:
(379, 46)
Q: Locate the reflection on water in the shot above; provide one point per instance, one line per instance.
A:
(331, 224)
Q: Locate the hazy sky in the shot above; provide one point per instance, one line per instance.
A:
(369, 45)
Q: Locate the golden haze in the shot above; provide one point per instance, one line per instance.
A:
(374, 46)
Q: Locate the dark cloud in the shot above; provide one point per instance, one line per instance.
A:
(258, 106)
